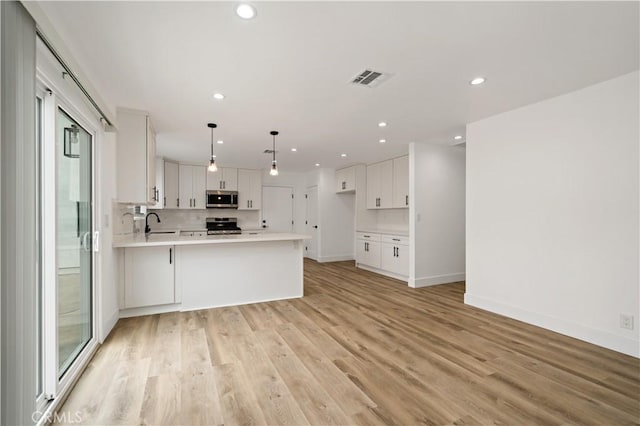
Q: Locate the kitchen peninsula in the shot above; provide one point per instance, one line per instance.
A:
(168, 272)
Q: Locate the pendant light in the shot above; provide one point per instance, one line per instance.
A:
(274, 166)
(212, 161)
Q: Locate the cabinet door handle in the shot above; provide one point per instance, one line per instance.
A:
(344, 185)
(397, 251)
(165, 201)
(170, 256)
(177, 202)
(406, 200)
(224, 184)
(219, 184)
(395, 239)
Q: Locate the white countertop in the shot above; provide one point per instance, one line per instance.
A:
(402, 233)
(177, 240)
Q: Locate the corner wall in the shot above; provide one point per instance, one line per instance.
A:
(552, 213)
(336, 216)
(436, 214)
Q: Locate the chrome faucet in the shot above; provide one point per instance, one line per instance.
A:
(147, 229)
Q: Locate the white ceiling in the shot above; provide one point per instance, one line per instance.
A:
(289, 68)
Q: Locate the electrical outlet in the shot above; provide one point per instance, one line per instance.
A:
(626, 321)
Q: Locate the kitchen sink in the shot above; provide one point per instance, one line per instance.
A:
(164, 232)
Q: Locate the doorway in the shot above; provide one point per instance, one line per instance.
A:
(311, 222)
(277, 208)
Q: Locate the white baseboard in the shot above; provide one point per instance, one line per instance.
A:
(382, 272)
(338, 258)
(436, 280)
(150, 310)
(597, 337)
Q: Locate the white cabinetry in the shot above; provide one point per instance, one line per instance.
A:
(346, 180)
(226, 178)
(192, 187)
(149, 276)
(249, 189)
(386, 254)
(136, 158)
(401, 182)
(368, 249)
(380, 185)
(171, 185)
(394, 256)
(159, 184)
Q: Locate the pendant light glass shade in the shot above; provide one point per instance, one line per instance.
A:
(274, 165)
(212, 161)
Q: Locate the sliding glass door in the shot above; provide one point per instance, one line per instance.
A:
(74, 232)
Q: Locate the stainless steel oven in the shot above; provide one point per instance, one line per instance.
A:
(222, 199)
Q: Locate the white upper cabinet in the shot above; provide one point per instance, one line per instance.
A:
(380, 185)
(225, 179)
(401, 182)
(249, 189)
(192, 187)
(346, 180)
(160, 198)
(171, 185)
(136, 158)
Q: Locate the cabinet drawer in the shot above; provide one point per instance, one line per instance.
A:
(395, 239)
(367, 236)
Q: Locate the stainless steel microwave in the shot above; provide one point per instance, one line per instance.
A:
(222, 199)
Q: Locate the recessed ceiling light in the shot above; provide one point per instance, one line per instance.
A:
(382, 124)
(293, 149)
(383, 140)
(457, 137)
(317, 164)
(246, 11)
(218, 96)
(478, 80)
(343, 155)
(220, 142)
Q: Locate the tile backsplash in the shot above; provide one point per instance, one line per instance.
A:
(179, 219)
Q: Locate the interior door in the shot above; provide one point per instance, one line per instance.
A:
(311, 223)
(277, 208)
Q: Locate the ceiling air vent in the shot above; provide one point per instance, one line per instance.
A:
(370, 78)
(268, 151)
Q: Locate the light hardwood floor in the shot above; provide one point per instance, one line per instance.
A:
(357, 349)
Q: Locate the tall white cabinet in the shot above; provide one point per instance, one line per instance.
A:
(401, 182)
(171, 185)
(249, 189)
(388, 184)
(380, 185)
(192, 187)
(136, 158)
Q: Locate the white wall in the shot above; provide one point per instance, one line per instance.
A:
(336, 217)
(552, 213)
(107, 259)
(436, 214)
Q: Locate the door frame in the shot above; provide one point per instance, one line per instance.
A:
(56, 96)
(316, 240)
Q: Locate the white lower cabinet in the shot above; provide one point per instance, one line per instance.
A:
(388, 254)
(368, 253)
(395, 254)
(149, 276)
